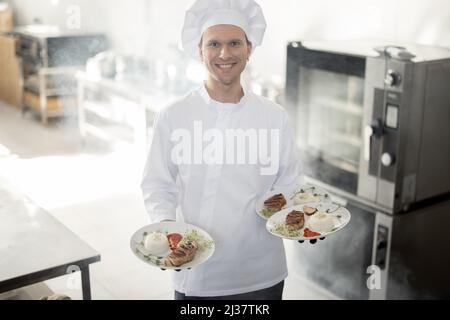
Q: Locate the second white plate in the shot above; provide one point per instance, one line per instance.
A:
(340, 217)
(297, 195)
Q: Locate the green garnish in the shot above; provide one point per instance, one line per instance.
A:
(267, 212)
(282, 230)
(194, 236)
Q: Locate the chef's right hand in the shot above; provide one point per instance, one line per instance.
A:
(313, 241)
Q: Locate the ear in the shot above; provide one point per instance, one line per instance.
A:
(200, 53)
(249, 50)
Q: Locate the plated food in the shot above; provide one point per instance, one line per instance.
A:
(273, 202)
(182, 254)
(309, 193)
(156, 243)
(308, 222)
(295, 220)
(279, 199)
(172, 245)
(174, 239)
(321, 222)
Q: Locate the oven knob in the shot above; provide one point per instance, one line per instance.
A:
(377, 128)
(387, 159)
(392, 78)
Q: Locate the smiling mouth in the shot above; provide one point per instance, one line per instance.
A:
(225, 66)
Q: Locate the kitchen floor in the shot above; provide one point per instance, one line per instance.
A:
(94, 191)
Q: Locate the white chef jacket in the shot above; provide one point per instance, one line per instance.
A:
(220, 198)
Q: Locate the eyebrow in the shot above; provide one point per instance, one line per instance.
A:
(232, 40)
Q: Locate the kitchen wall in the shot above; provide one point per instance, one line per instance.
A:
(146, 27)
(125, 22)
(426, 22)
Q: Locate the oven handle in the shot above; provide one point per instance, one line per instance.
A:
(374, 129)
(368, 133)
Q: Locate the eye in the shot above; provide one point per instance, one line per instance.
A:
(213, 45)
(235, 43)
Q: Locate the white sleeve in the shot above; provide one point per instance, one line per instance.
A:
(289, 172)
(159, 187)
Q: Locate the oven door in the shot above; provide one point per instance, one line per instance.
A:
(339, 264)
(379, 255)
(324, 96)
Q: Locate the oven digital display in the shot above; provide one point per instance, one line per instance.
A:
(392, 116)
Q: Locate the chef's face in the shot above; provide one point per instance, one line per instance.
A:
(225, 51)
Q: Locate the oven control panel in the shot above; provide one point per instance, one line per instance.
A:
(384, 145)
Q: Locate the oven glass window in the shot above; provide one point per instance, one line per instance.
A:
(329, 124)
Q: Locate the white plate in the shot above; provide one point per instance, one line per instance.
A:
(309, 192)
(205, 251)
(341, 217)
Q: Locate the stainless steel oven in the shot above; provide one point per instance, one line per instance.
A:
(380, 255)
(373, 126)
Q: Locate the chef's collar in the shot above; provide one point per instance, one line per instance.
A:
(221, 106)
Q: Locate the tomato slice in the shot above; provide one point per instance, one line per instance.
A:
(308, 233)
(174, 239)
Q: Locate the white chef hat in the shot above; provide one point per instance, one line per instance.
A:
(246, 14)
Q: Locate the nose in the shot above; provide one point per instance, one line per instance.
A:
(225, 53)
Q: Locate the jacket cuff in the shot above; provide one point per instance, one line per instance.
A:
(156, 216)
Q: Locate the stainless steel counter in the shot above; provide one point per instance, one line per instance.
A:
(35, 247)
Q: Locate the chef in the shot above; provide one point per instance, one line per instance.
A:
(215, 152)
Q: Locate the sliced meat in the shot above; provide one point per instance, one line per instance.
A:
(181, 255)
(295, 220)
(275, 203)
